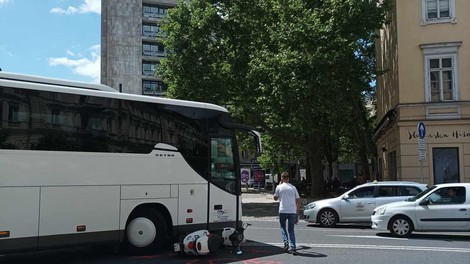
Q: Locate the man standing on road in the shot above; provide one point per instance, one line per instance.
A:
(289, 208)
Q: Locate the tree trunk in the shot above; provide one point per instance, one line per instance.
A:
(365, 166)
(314, 156)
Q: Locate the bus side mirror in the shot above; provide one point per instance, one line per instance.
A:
(256, 134)
(259, 146)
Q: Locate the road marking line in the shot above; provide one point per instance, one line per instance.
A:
(376, 237)
(306, 228)
(375, 247)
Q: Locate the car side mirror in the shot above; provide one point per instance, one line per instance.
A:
(346, 197)
(425, 202)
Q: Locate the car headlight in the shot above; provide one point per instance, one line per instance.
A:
(381, 210)
(309, 206)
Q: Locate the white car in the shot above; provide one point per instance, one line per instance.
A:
(444, 207)
(358, 204)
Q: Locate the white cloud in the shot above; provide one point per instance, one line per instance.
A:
(2, 2)
(82, 66)
(89, 6)
(69, 52)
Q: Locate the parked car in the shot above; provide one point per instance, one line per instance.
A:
(444, 207)
(357, 204)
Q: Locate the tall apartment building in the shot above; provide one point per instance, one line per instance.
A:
(130, 51)
(425, 53)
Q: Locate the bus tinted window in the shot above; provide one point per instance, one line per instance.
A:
(42, 120)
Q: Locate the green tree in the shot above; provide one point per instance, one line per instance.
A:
(292, 68)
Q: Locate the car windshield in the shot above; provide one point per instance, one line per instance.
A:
(421, 194)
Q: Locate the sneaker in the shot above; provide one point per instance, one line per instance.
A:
(293, 252)
(286, 247)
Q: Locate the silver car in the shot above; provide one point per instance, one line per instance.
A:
(358, 204)
(443, 207)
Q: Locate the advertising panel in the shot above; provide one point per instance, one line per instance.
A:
(245, 176)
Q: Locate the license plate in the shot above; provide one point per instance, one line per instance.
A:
(177, 247)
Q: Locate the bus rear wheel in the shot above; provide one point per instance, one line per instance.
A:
(145, 231)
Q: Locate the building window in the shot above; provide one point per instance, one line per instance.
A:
(438, 11)
(154, 50)
(445, 163)
(149, 30)
(55, 116)
(441, 68)
(392, 166)
(154, 11)
(13, 114)
(156, 88)
(441, 78)
(380, 169)
(149, 68)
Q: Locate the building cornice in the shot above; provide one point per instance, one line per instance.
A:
(441, 45)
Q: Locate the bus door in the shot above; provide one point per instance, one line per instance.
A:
(223, 189)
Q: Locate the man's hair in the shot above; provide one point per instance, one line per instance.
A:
(285, 175)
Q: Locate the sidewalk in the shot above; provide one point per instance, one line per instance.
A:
(260, 205)
(261, 197)
(254, 196)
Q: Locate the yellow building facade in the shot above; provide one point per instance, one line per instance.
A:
(424, 55)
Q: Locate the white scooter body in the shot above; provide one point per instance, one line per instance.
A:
(196, 243)
(232, 238)
(202, 242)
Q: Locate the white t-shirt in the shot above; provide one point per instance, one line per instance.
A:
(288, 195)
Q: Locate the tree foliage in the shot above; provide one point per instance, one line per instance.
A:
(297, 69)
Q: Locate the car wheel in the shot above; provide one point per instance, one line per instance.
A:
(145, 231)
(401, 226)
(328, 218)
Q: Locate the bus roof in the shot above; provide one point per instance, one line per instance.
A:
(53, 81)
(74, 87)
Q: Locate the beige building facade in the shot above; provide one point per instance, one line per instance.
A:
(424, 54)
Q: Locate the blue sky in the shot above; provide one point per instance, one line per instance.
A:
(51, 38)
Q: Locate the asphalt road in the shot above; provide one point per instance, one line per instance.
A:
(343, 244)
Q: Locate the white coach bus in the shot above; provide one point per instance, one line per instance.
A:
(82, 163)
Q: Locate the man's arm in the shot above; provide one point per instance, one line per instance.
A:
(297, 202)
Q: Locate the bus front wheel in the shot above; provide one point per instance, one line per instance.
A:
(146, 230)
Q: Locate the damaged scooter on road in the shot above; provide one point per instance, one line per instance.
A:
(203, 242)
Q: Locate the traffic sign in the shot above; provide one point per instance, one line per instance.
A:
(422, 141)
(422, 144)
(421, 130)
(422, 155)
